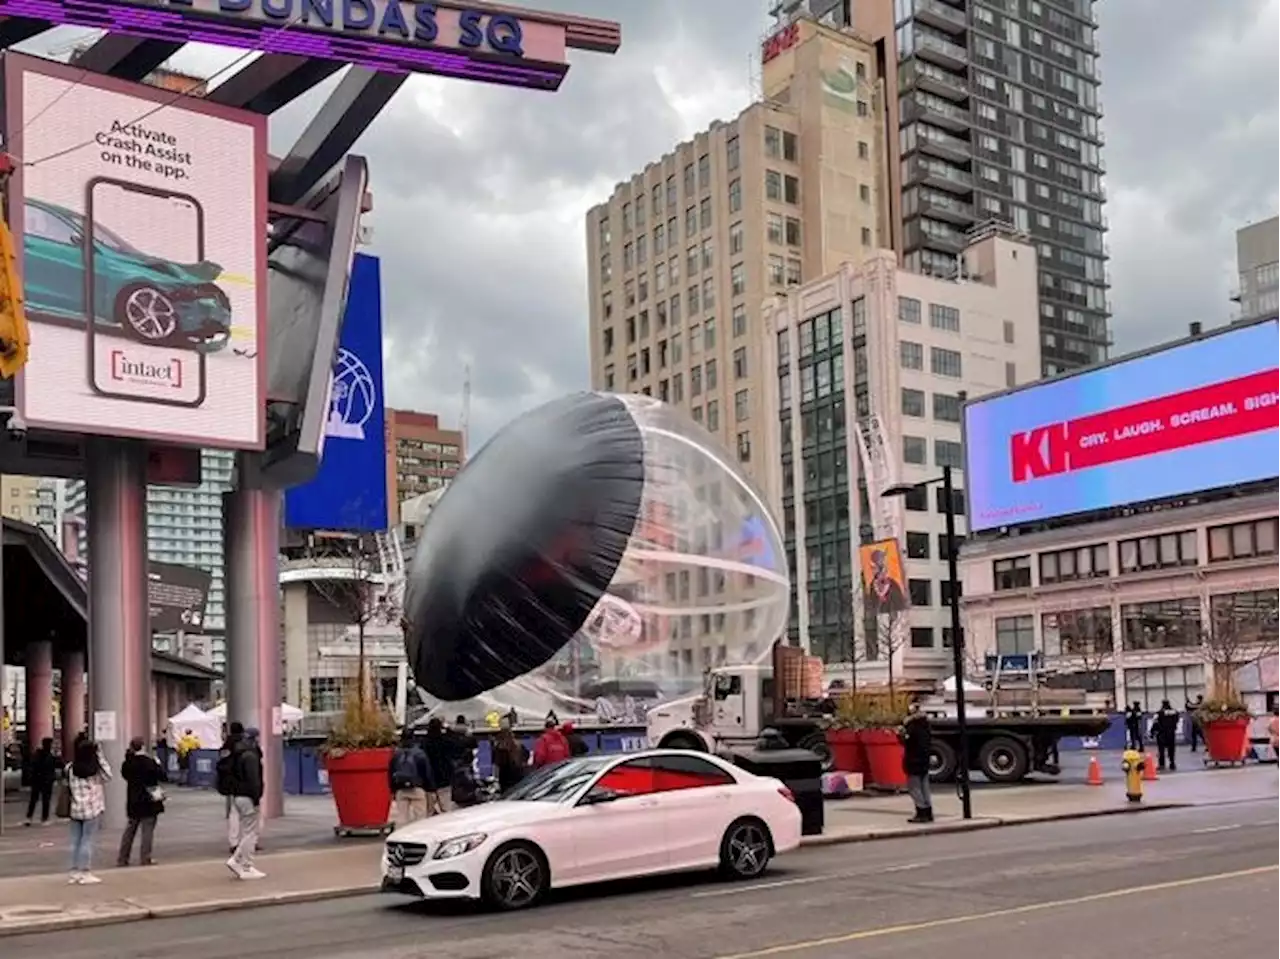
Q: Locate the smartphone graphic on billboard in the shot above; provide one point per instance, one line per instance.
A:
(152, 308)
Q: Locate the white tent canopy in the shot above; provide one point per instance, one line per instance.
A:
(206, 727)
(288, 713)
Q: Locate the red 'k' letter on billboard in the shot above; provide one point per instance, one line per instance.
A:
(1206, 414)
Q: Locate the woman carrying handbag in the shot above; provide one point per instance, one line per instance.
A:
(84, 800)
(144, 802)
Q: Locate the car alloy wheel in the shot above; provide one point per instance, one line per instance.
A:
(516, 877)
(150, 314)
(747, 850)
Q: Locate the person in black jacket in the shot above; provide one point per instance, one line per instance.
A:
(577, 744)
(1193, 721)
(1133, 726)
(144, 802)
(917, 745)
(510, 758)
(44, 773)
(1167, 735)
(240, 777)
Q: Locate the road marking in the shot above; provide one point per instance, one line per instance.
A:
(1208, 829)
(758, 886)
(898, 930)
(802, 881)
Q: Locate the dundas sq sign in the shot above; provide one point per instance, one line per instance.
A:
(473, 41)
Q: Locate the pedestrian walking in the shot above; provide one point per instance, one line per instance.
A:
(917, 746)
(144, 802)
(1166, 735)
(1193, 718)
(253, 738)
(413, 791)
(239, 776)
(86, 801)
(44, 774)
(1133, 726)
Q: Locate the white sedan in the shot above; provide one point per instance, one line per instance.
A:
(595, 819)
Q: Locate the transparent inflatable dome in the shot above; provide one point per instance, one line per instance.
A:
(596, 557)
(703, 580)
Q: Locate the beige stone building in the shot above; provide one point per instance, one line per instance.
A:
(1123, 605)
(20, 498)
(867, 369)
(683, 254)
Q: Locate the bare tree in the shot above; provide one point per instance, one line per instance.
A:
(1236, 637)
(1086, 640)
(356, 590)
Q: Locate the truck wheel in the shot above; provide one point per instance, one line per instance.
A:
(942, 762)
(1003, 759)
(683, 741)
(816, 743)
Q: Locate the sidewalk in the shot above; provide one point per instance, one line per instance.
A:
(876, 816)
(40, 903)
(33, 904)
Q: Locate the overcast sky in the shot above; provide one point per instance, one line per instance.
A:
(480, 192)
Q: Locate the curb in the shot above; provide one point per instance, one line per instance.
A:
(982, 823)
(133, 912)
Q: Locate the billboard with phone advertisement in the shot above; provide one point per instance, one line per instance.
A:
(349, 492)
(143, 238)
(1199, 415)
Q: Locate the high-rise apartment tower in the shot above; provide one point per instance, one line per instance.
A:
(995, 115)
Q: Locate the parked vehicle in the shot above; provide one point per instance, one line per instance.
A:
(594, 819)
(738, 702)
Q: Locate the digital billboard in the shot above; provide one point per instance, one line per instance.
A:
(177, 596)
(143, 258)
(1198, 415)
(349, 493)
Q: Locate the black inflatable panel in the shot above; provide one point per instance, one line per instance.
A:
(520, 548)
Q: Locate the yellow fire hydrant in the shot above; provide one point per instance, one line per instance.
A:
(1131, 764)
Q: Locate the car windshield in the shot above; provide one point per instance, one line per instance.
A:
(558, 783)
(107, 237)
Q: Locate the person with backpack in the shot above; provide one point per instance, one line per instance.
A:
(413, 789)
(510, 758)
(44, 774)
(239, 776)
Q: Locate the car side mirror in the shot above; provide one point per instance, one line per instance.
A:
(600, 796)
(77, 239)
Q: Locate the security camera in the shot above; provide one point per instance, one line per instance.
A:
(16, 427)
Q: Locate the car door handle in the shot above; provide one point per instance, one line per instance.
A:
(648, 803)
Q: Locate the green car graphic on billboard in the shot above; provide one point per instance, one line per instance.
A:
(149, 298)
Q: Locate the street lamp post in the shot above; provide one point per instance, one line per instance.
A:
(957, 634)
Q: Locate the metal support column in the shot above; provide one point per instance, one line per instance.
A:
(39, 679)
(251, 547)
(73, 699)
(119, 621)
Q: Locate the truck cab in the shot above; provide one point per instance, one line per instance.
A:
(736, 703)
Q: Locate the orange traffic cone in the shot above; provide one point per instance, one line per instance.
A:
(1095, 772)
(1149, 768)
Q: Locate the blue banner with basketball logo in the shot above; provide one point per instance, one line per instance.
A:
(349, 493)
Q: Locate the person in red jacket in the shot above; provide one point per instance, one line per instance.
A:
(551, 747)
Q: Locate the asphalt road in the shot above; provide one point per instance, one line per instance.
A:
(1176, 882)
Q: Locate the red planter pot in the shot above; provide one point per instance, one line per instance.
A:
(360, 786)
(847, 751)
(884, 758)
(1227, 740)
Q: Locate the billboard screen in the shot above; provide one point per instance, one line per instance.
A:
(349, 492)
(143, 237)
(884, 584)
(1199, 415)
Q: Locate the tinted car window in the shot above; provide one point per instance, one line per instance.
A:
(687, 772)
